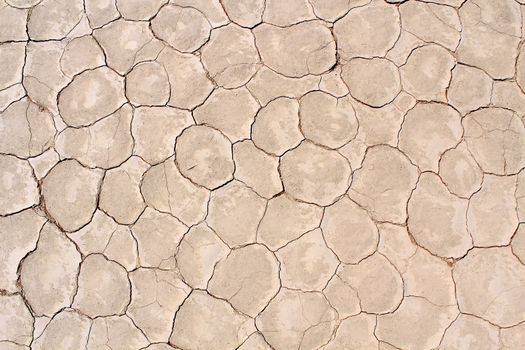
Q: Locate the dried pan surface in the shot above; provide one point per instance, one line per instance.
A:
(262, 174)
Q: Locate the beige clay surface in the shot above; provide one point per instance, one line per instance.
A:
(262, 174)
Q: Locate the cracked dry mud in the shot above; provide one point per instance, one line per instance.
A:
(262, 174)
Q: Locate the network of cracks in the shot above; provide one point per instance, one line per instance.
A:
(262, 174)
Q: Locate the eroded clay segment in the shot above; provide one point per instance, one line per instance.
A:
(23, 3)
(54, 19)
(492, 218)
(298, 50)
(367, 31)
(67, 328)
(286, 219)
(248, 278)
(230, 205)
(105, 144)
(165, 189)
(81, 54)
(199, 252)
(244, 13)
(377, 282)
(491, 14)
(315, 175)
(148, 84)
(518, 243)
(396, 245)
(432, 22)
(460, 172)
(204, 155)
(16, 320)
(103, 287)
(43, 79)
(342, 297)
(70, 194)
(276, 126)
(138, 10)
(122, 248)
(374, 82)
(426, 74)
(266, 85)
(91, 96)
(100, 12)
(255, 342)
(486, 46)
(416, 324)
(327, 120)
(230, 111)
(285, 14)
(349, 231)
(520, 69)
(156, 297)
(158, 236)
(202, 310)
(121, 56)
(512, 337)
(26, 130)
(384, 183)
(489, 283)
(115, 332)
(496, 139)
(332, 83)
(155, 129)
(429, 129)
(189, 83)
(212, 9)
(296, 319)
(49, 274)
(471, 332)
(256, 169)
(508, 94)
(438, 219)
(470, 88)
(230, 56)
(307, 263)
(429, 277)
(13, 24)
(18, 186)
(12, 58)
(333, 10)
(354, 333)
(19, 234)
(184, 28)
(120, 195)
(95, 236)
(381, 125)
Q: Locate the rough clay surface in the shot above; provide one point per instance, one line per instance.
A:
(262, 174)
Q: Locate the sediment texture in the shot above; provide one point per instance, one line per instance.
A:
(262, 174)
